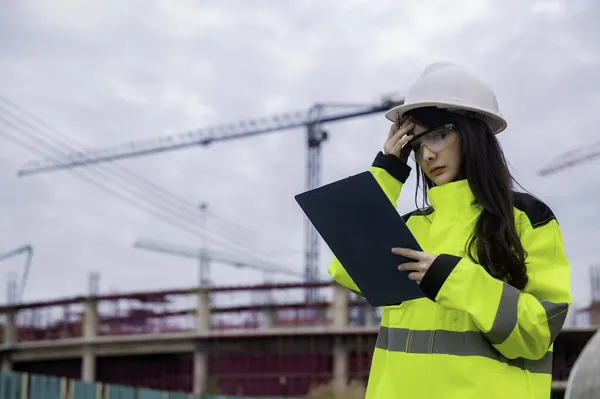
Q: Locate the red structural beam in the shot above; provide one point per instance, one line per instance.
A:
(276, 286)
(161, 295)
(229, 309)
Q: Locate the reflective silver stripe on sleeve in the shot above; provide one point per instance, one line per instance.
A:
(556, 314)
(458, 343)
(506, 315)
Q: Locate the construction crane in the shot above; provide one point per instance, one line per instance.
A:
(204, 256)
(312, 120)
(572, 158)
(28, 251)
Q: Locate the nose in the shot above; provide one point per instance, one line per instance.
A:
(427, 153)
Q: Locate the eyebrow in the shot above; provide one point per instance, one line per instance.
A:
(425, 133)
(428, 131)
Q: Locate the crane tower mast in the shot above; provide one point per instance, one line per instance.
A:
(14, 297)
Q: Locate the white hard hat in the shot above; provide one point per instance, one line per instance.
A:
(449, 86)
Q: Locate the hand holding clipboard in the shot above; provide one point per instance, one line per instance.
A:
(361, 226)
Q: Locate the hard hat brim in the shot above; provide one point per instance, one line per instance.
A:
(496, 122)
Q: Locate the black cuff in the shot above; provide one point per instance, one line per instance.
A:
(393, 165)
(437, 274)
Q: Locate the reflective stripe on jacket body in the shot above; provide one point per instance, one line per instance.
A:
(474, 336)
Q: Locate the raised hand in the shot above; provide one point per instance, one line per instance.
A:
(399, 135)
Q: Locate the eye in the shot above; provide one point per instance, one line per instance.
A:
(437, 137)
(441, 135)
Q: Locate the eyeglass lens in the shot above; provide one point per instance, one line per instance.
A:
(435, 140)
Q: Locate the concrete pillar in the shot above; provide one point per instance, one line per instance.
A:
(88, 364)
(340, 365)
(90, 319)
(9, 327)
(90, 331)
(203, 312)
(9, 339)
(6, 363)
(268, 317)
(340, 306)
(370, 315)
(200, 356)
(200, 368)
(200, 351)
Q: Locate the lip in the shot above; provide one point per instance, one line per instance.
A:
(436, 171)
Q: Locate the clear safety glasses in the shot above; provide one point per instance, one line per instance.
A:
(435, 140)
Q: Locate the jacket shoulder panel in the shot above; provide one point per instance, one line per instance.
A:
(417, 212)
(538, 213)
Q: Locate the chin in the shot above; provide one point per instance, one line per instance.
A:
(444, 178)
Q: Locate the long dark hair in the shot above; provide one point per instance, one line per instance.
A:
(494, 239)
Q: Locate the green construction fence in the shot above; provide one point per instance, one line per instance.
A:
(32, 386)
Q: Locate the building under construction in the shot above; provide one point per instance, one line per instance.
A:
(221, 339)
(174, 340)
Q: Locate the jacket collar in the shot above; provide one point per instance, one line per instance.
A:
(452, 197)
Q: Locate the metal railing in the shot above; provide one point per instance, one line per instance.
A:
(177, 310)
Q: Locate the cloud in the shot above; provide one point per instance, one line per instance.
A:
(111, 72)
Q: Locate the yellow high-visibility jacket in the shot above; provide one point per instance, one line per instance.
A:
(473, 336)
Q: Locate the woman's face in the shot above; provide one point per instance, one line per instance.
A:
(437, 151)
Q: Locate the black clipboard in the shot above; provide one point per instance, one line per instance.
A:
(361, 226)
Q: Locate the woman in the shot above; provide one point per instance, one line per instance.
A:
(493, 270)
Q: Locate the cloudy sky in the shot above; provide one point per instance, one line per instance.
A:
(102, 73)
